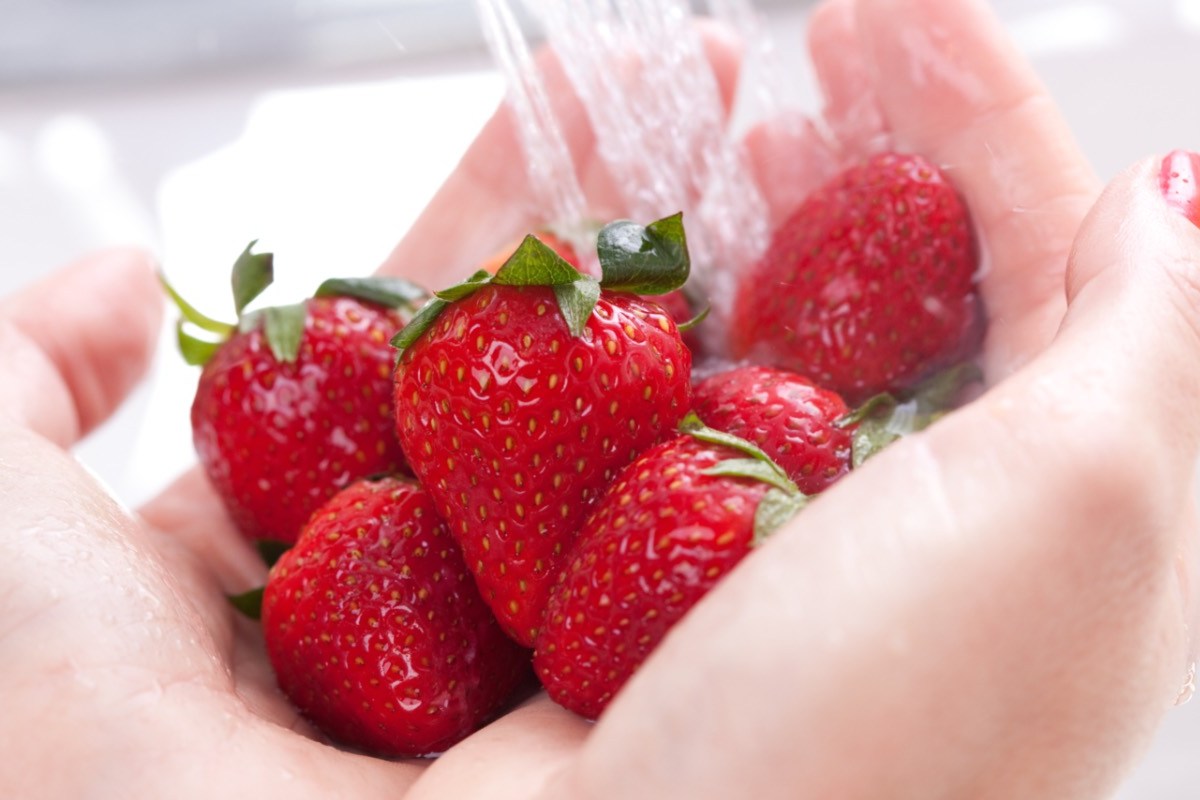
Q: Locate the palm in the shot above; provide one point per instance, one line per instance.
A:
(120, 623)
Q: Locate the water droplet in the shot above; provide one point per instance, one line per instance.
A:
(1189, 686)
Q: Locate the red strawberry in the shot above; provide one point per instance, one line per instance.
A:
(670, 528)
(517, 403)
(869, 285)
(376, 631)
(793, 420)
(295, 402)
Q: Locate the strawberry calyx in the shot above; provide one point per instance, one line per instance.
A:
(696, 319)
(651, 259)
(643, 260)
(271, 550)
(885, 418)
(283, 326)
(249, 602)
(783, 500)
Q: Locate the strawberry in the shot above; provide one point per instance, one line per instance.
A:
(376, 631)
(868, 285)
(519, 397)
(790, 418)
(295, 402)
(674, 523)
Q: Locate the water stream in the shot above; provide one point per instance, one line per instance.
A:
(654, 103)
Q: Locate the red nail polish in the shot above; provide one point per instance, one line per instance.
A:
(1180, 183)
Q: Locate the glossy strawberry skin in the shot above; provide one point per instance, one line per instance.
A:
(515, 427)
(376, 630)
(788, 416)
(662, 537)
(868, 285)
(278, 439)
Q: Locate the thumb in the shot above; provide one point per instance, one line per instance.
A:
(1133, 288)
(1023, 570)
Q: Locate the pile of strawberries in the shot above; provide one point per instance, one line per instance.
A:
(519, 470)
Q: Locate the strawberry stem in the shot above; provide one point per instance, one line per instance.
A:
(193, 316)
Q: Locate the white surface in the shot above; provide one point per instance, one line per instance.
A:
(330, 167)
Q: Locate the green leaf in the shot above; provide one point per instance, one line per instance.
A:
(284, 328)
(576, 301)
(252, 272)
(872, 436)
(418, 324)
(877, 405)
(249, 603)
(694, 426)
(534, 263)
(196, 352)
(939, 392)
(189, 312)
(759, 465)
(382, 290)
(754, 469)
(270, 550)
(465, 289)
(649, 260)
(775, 509)
(687, 325)
(434, 307)
(883, 419)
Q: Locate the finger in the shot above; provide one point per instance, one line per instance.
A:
(192, 516)
(488, 200)
(851, 109)
(509, 758)
(954, 88)
(74, 344)
(993, 608)
(789, 157)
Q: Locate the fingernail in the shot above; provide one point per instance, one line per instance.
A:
(1180, 183)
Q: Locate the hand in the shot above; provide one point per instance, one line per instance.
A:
(995, 608)
(1009, 610)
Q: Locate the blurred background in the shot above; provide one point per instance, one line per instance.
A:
(322, 127)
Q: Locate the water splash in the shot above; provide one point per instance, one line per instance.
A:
(655, 106)
(762, 78)
(549, 164)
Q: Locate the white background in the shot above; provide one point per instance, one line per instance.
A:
(325, 136)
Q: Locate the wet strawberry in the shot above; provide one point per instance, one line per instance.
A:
(376, 630)
(869, 285)
(793, 420)
(294, 402)
(519, 397)
(674, 523)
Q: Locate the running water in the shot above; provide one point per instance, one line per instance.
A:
(654, 103)
(548, 159)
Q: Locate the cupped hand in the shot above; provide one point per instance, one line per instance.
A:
(996, 607)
